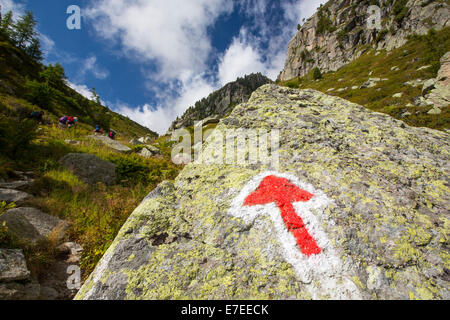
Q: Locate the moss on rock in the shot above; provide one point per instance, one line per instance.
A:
(388, 220)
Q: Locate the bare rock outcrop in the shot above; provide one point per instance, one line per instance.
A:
(337, 33)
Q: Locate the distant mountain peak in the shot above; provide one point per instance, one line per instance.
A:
(221, 102)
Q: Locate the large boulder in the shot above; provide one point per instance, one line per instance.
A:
(357, 208)
(33, 225)
(90, 168)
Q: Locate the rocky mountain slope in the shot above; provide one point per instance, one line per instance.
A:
(338, 34)
(409, 83)
(371, 193)
(221, 102)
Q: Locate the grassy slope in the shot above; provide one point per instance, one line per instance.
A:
(418, 52)
(16, 67)
(96, 212)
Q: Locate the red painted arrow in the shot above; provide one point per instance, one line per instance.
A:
(283, 193)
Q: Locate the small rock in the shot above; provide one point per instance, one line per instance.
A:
(406, 114)
(20, 291)
(32, 224)
(10, 195)
(146, 140)
(145, 153)
(397, 95)
(149, 151)
(72, 142)
(13, 266)
(15, 184)
(135, 142)
(355, 87)
(435, 111)
(423, 68)
(428, 85)
(113, 144)
(331, 89)
(182, 158)
(414, 83)
(153, 149)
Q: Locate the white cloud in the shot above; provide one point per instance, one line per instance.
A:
(159, 118)
(173, 36)
(81, 89)
(265, 53)
(172, 33)
(10, 5)
(297, 10)
(47, 44)
(239, 59)
(90, 66)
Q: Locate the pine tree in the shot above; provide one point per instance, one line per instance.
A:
(6, 24)
(96, 96)
(24, 30)
(34, 49)
(54, 75)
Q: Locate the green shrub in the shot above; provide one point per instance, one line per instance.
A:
(324, 24)
(131, 168)
(317, 74)
(400, 10)
(54, 75)
(381, 35)
(39, 93)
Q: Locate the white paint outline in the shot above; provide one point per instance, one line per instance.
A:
(325, 267)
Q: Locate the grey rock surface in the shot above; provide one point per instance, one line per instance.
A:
(380, 215)
(221, 102)
(20, 291)
(13, 266)
(10, 195)
(113, 144)
(33, 224)
(330, 51)
(439, 92)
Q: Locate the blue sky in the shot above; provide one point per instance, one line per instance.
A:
(151, 59)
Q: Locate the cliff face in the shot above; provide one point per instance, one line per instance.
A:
(221, 102)
(375, 199)
(337, 33)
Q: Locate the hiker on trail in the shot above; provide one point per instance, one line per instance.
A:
(63, 121)
(72, 121)
(112, 135)
(37, 115)
(98, 130)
